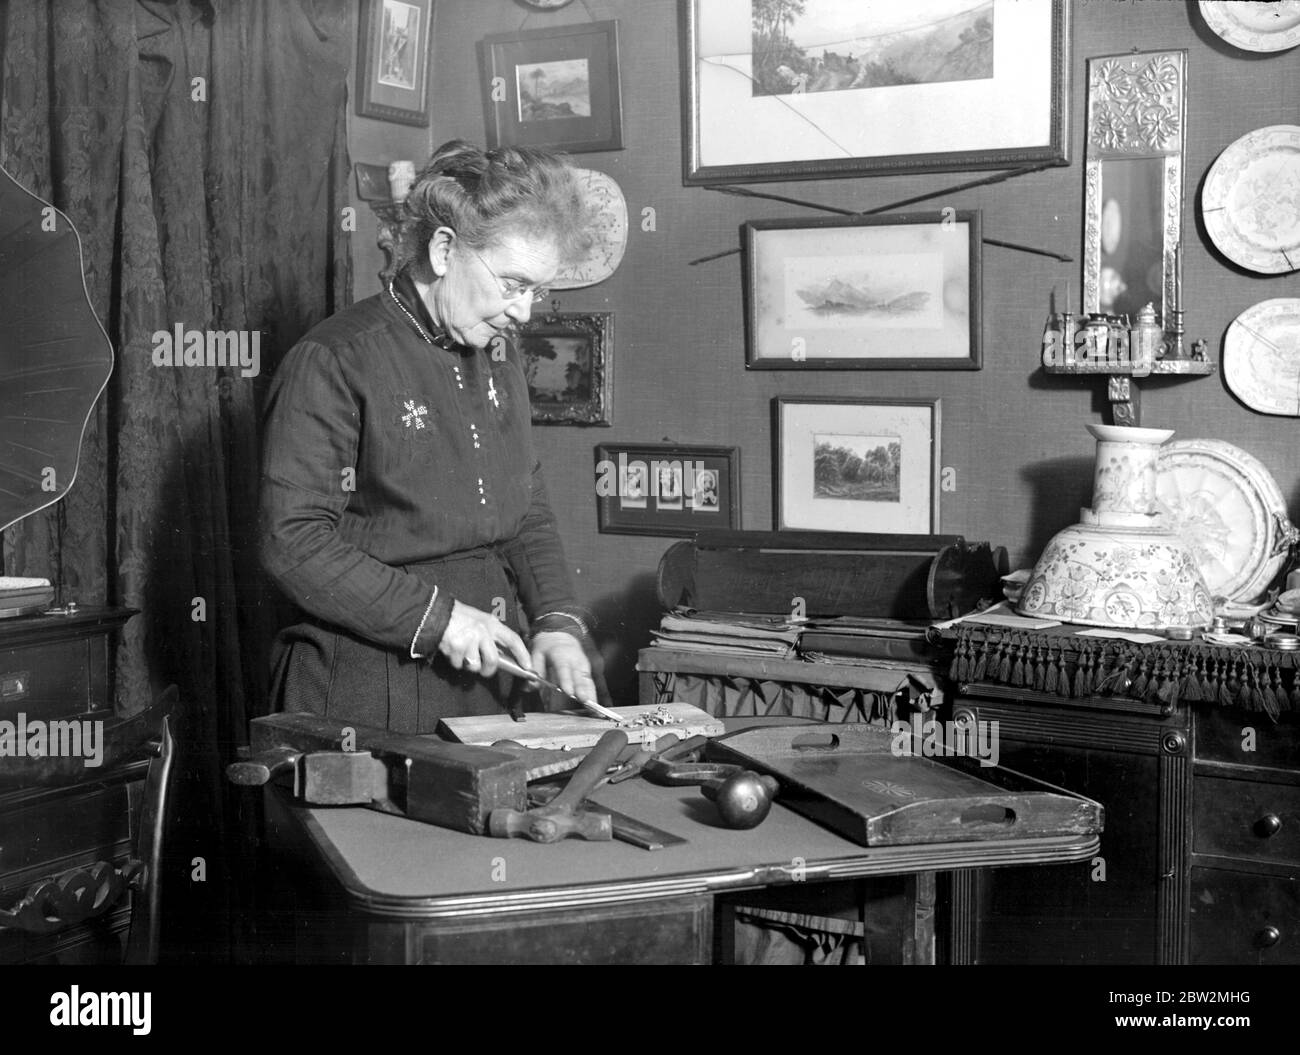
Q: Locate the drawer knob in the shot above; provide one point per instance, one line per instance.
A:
(1268, 937)
(1269, 824)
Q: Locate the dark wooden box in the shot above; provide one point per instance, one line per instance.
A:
(910, 577)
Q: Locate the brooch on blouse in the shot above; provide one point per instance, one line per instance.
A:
(414, 416)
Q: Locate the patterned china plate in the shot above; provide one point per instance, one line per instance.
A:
(1251, 200)
(611, 233)
(1261, 356)
(1254, 26)
(1230, 512)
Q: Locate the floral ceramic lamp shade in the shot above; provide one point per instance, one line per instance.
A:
(55, 358)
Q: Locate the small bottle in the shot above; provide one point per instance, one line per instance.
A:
(1147, 337)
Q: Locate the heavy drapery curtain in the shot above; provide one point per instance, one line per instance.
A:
(199, 148)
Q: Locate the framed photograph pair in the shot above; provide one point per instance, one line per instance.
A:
(556, 88)
(891, 292)
(856, 465)
(568, 359)
(811, 89)
(393, 55)
(666, 488)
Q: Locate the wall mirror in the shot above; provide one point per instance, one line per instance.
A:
(1133, 205)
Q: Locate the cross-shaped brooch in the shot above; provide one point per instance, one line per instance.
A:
(414, 415)
(492, 393)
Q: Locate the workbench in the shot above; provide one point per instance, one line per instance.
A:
(366, 887)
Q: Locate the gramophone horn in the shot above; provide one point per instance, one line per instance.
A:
(55, 358)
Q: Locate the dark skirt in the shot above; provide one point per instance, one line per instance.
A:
(322, 669)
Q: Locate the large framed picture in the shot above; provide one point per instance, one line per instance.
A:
(556, 88)
(666, 489)
(393, 60)
(568, 358)
(860, 465)
(897, 292)
(810, 89)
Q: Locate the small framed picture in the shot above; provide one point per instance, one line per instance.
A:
(860, 465)
(568, 358)
(896, 292)
(666, 488)
(556, 88)
(393, 60)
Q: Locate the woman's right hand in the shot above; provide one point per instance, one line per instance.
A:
(475, 639)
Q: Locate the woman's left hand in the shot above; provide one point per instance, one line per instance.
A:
(559, 657)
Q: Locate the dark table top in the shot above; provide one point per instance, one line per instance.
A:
(390, 865)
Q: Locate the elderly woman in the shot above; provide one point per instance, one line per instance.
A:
(402, 504)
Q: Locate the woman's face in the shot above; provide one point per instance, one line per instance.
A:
(467, 300)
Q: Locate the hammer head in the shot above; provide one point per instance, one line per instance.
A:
(547, 825)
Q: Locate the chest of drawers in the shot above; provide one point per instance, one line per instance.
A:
(60, 816)
(1200, 857)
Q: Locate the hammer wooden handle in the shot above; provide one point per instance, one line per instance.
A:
(588, 775)
(563, 816)
(262, 768)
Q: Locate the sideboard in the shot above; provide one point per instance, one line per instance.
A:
(1194, 751)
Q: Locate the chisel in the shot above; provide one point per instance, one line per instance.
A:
(511, 667)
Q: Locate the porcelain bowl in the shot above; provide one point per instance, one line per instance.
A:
(1133, 578)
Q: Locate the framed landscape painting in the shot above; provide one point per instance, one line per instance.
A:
(859, 465)
(556, 88)
(891, 292)
(568, 359)
(810, 89)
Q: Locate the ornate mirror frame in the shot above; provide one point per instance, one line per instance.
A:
(1133, 205)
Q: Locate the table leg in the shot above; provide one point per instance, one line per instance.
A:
(918, 946)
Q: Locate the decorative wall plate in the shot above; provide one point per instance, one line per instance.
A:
(1261, 356)
(1230, 512)
(611, 234)
(1253, 26)
(1251, 200)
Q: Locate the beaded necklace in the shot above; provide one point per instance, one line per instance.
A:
(440, 340)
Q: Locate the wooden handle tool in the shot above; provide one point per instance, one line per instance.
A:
(562, 817)
(511, 667)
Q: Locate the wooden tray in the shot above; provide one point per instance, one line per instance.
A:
(847, 778)
(578, 728)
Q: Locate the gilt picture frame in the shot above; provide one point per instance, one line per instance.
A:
(851, 293)
(862, 465)
(816, 89)
(568, 359)
(393, 60)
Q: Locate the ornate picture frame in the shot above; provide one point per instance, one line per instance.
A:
(568, 358)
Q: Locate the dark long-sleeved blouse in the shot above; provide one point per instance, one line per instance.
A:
(382, 451)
